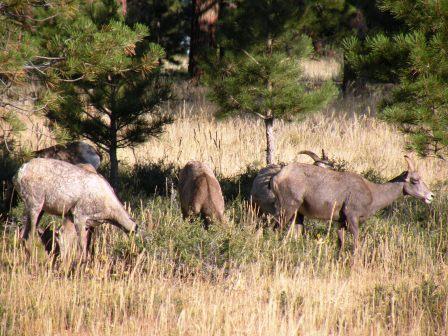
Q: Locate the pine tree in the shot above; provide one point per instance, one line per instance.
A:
(111, 87)
(260, 72)
(204, 23)
(19, 51)
(168, 21)
(415, 59)
(327, 22)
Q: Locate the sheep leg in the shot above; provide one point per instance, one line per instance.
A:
(353, 227)
(341, 238)
(299, 227)
(32, 217)
(67, 238)
(48, 239)
(82, 232)
(286, 216)
(185, 212)
(85, 244)
(206, 220)
(90, 246)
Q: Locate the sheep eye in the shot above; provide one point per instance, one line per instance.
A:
(414, 181)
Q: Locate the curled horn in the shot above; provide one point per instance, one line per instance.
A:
(411, 166)
(312, 155)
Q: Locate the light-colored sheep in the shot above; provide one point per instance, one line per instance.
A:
(63, 189)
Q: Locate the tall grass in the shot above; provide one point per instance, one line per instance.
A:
(231, 145)
(238, 279)
(243, 278)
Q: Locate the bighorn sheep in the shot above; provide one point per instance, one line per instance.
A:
(76, 152)
(200, 193)
(63, 240)
(84, 156)
(60, 188)
(341, 196)
(262, 196)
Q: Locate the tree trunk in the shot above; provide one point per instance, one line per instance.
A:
(203, 33)
(124, 7)
(113, 177)
(269, 120)
(270, 140)
(113, 173)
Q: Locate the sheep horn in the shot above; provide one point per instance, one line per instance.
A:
(312, 155)
(411, 166)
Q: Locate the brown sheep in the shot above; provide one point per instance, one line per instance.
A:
(74, 152)
(261, 194)
(348, 198)
(200, 193)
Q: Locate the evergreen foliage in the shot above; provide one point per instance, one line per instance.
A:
(261, 73)
(111, 85)
(375, 19)
(415, 59)
(168, 22)
(19, 50)
(327, 22)
(97, 77)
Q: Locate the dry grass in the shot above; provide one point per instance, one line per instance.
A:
(322, 69)
(397, 285)
(241, 280)
(231, 145)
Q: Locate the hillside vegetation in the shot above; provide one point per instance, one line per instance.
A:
(243, 278)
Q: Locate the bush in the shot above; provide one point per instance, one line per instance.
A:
(239, 186)
(373, 175)
(10, 161)
(155, 178)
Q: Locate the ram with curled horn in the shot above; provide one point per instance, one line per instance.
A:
(323, 161)
(262, 197)
(303, 190)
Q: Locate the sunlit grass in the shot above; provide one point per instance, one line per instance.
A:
(181, 279)
(244, 278)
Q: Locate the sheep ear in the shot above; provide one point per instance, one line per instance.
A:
(411, 166)
(324, 157)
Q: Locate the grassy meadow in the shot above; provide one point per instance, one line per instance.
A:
(243, 278)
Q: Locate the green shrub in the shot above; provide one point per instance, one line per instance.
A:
(239, 186)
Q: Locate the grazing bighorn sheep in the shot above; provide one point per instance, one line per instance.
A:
(200, 193)
(60, 188)
(76, 152)
(341, 196)
(63, 240)
(84, 156)
(261, 194)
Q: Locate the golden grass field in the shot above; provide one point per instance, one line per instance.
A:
(240, 279)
